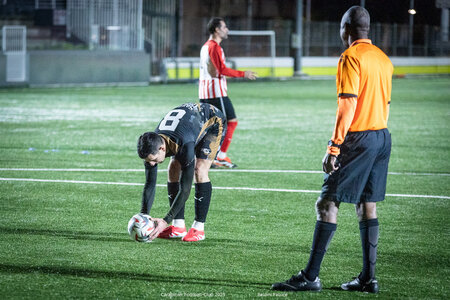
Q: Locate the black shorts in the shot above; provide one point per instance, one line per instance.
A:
(227, 105)
(209, 144)
(364, 163)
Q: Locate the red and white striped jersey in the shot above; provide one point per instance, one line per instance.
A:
(212, 81)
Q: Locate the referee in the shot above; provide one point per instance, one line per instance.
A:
(357, 157)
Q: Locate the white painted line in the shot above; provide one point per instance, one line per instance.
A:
(214, 187)
(418, 196)
(74, 181)
(264, 189)
(74, 170)
(419, 174)
(211, 170)
(265, 171)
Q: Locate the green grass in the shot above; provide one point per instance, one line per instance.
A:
(69, 240)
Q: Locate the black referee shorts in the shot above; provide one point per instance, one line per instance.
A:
(364, 162)
(228, 106)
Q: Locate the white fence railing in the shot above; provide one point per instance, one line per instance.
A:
(106, 24)
(14, 46)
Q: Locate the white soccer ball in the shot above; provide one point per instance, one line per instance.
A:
(139, 227)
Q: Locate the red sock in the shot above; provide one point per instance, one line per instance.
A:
(228, 136)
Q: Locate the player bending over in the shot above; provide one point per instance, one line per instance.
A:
(191, 135)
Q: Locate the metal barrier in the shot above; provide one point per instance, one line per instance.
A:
(14, 45)
(106, 24)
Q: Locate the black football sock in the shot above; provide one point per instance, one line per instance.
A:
(172, 191)
(369, 232)
(203, 193)
(322, 237)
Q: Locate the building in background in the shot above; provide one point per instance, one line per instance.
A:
(171, 32)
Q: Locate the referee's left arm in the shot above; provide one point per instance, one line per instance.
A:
(344, 117)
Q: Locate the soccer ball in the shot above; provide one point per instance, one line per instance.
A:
(139, 227)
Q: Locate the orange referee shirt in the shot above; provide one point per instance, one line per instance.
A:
(364, 74)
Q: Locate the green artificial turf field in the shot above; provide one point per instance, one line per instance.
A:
(71, 180)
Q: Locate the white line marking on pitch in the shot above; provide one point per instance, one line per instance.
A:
(212, 170)
(214, 187)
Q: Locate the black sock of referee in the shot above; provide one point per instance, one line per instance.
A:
(203, 193)
(322, 237)
(172, 191)
(368, 230)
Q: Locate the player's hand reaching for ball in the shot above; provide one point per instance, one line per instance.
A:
(160, 225)
(250, 75)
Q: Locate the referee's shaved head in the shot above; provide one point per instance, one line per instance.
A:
(355, 24)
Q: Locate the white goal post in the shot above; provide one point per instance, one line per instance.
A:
(269, 33)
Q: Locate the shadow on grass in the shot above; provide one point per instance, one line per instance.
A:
(339, 289)
(252, 244)
(123, 237)
(75, 235)
(65, 271)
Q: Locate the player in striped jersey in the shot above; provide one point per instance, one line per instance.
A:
(213, 83)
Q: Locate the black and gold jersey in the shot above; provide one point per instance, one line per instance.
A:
(185, 127)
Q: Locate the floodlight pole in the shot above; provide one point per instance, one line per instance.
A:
(444, 6)
(298, 52)
(307, 27)
(444, 24)
(411, 28)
